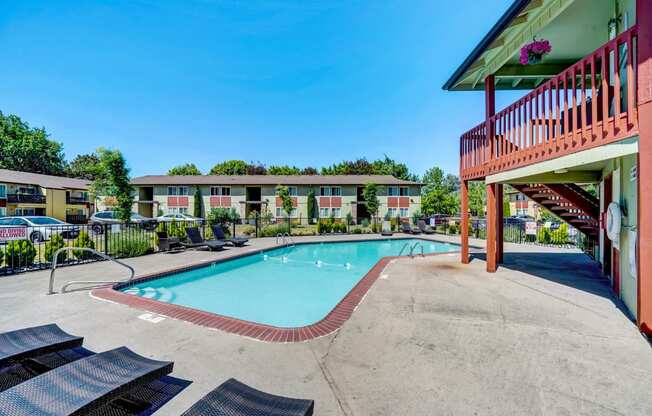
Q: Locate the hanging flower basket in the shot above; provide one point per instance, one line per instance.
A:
(533, 52)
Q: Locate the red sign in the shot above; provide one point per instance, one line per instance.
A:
(13, 233)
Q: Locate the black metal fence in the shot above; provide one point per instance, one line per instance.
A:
(29, 248)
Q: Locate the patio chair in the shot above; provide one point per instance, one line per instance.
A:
(219, 235)
(406, 228)
(234, 398)
(425, 228)
(21, 344)
(83, 385)
(166, 243)
(196, 240)
(386, 229)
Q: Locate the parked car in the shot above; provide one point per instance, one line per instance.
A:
(41, 228)
(98, 220)
(177, 217)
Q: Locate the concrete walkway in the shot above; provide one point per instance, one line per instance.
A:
(542, 336)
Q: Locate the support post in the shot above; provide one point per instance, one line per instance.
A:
(644, 20)
(499, 223)
(492, 232)
(464, 232)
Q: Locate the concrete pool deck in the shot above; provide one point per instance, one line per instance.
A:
(542, 336)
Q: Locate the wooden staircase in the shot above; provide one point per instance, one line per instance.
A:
(569, 202)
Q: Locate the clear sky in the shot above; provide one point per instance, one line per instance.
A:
(276, 81)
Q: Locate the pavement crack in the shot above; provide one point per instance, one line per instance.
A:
(330, 380)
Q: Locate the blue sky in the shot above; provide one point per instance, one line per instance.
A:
(281, 82)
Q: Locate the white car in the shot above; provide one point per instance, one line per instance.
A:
(40, 228)
(177, 217)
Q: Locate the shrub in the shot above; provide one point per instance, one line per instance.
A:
(249, 230)
(357, 230)
(56, 242)
(338, 227)
(274, 230)
(453, 229)
(126, 245)
(365, 223)
(83, 240)
(543, 235)
(560, 235)
(375, 227)
(19, 253)
(174, 228)
(325, 226)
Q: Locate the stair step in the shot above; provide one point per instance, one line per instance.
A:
(542, 195)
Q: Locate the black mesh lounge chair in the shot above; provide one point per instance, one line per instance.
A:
(196, 240)
(83, 385)
(166, 243)
(386, 229)
(405, 227)
(219, 234)
(425, 228)
(234, 398)
(32, 342)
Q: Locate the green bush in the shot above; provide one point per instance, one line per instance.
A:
(453, 229)
(19, 253)
(274, 230)
(83, 240)
(56, 242)
(543, 235)
(375, 227)
(365, 223)
(338, 227)
(249, 230)
(175, 228)
(560, 235)
(126, 245)
(357, 230)
(325, 226)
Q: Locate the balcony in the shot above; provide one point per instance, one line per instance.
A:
(76, 200)
(26, 198)
(576, 110)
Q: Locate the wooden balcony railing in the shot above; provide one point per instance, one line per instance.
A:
(591, 103)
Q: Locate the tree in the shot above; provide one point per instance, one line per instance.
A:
(439, 192)
(197, 207)
(113, 180)
(362, 166)
(286, 200)
(188, 169)
(28, 149)
(84, 167)
(283, 170)
(312, 206)
(309, 171)
(230, 167)
(256, 168)
(477, 198)
(370, 196)
(389, 166)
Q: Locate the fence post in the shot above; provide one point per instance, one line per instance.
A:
(256, 222)
(106, 239)
(233, 233)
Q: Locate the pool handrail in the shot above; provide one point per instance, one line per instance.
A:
(55, 261)
(403, 248)
(417, 244)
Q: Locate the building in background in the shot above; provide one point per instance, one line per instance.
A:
(335, 196)
(25, 193)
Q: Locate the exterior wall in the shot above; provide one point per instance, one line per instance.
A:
(55, 204)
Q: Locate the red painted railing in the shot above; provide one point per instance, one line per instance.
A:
(576, 110)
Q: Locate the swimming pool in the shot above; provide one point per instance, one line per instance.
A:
(285, 287)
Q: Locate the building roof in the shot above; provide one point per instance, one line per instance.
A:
(45, 181)
(270, 180)
(505, 20)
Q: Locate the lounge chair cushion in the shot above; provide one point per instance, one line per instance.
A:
(82, 385)
(234, 398)
(32, 342)
(219, 234)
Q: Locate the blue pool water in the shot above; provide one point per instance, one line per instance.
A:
(284, 287)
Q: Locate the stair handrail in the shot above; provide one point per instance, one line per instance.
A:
(55, 263)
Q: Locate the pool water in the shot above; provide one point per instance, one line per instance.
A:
(285, 287)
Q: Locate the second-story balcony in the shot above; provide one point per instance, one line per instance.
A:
(76, 200)
(589, 104)
(26, 198)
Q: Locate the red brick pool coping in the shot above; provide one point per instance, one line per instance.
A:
(267, 333)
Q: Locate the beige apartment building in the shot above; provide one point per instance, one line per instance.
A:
(335, 196)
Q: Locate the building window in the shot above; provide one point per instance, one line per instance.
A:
(325, 191)
(404, 212)
(292, 190)
(392, 191)
(336, 191)
(25, 212)
(336, 212)
(183, 210)
(280, 213)
(220, 191)
(3, 191)
(391, 212)
(172, 210)
(3, 212)
(404, 191)
(324, 213)
(172, 190)
(183, 190)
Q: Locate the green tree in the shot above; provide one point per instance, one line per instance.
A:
(188, 169)
(197, 203)
(389, 166)
(28, 149)
(283, 170)
(309, 170)
(370, 196)
(84, 167)
(113, 181)
(312, 206)
(362, 166)
(439, 192)
(230, 167)
(477, 198)
(286, 199)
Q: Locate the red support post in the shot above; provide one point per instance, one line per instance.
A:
(499, 223)
(464, 196)
(492, 189)
(644, 20)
